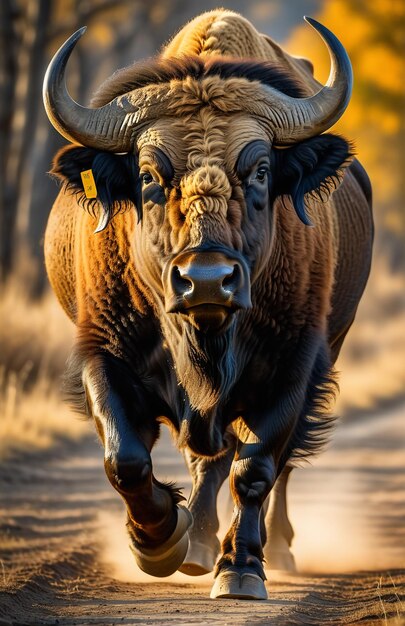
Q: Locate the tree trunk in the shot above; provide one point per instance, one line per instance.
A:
(8, 74)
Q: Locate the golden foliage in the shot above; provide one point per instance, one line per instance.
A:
(373, 35)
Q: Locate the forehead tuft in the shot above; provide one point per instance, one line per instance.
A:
(161, 71)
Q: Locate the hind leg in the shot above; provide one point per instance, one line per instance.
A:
(208, 475)
(279, 530)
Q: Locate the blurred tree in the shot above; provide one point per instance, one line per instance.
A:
(21, 50)
(8, 72)
(374, 35)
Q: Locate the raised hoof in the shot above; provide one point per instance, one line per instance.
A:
(281, 562)
(166, 558)
(242, 586)
(200, 559)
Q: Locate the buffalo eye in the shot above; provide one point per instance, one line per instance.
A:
(147, 178)
(260, 175)
(253, 169)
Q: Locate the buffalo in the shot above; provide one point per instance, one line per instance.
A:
(211, 243)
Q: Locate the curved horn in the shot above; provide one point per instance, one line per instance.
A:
(79, 124)
(301, 118)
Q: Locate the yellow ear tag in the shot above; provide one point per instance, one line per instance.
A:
(89, 184)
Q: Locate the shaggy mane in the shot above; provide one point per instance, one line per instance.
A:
(158, 71)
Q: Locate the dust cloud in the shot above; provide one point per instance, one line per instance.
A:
(347, 509)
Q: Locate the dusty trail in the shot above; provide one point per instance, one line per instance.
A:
(64, 558)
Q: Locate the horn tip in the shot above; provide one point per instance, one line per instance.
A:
(73, 39)
(310, 20)
(79, 33)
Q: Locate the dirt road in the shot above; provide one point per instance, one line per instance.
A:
(64, 558)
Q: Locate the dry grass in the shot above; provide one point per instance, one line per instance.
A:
(376, 371)
(394, 602)
(35, 419)
(371, 364)
(35, 337)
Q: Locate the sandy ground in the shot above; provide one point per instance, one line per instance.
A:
(64, 555)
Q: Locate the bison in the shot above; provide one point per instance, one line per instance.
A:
(212, 276)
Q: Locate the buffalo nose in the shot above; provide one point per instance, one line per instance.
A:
(206, 278)
(206, 282)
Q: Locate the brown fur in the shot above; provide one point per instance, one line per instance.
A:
(265, 381)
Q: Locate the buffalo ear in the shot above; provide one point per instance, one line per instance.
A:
(116, 178)
(314, 166)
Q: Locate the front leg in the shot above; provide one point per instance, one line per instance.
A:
(125, 416)
(266, 441)
(239, 572)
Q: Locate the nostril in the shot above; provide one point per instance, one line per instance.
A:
(181, 284)
(232, 280)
